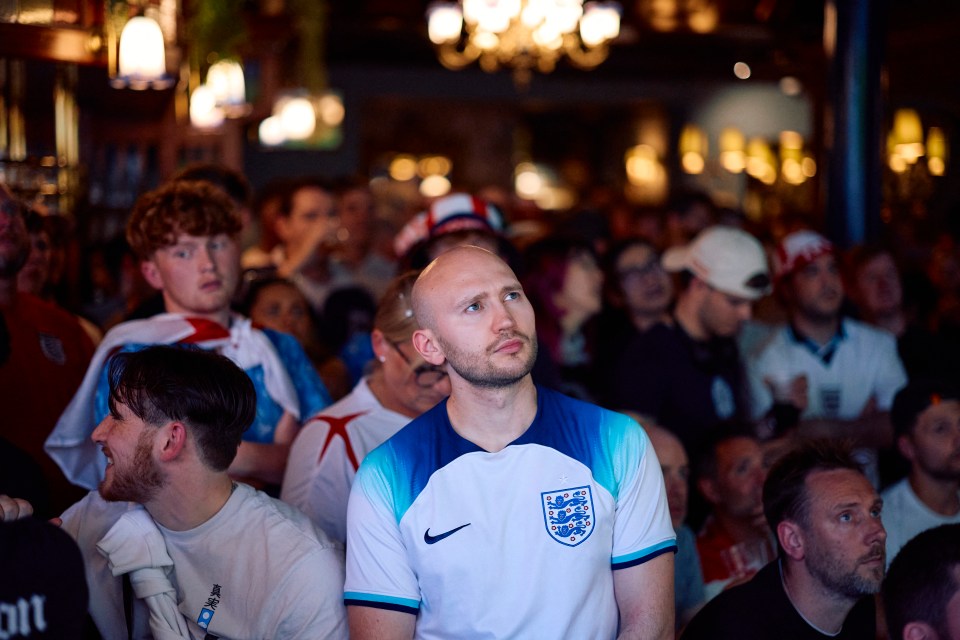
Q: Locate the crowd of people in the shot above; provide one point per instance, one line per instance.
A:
(433, 426)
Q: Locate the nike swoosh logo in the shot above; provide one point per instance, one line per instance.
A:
(429, 539)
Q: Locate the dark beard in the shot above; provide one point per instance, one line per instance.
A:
(140, 483)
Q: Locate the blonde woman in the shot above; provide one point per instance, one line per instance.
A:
(325, 456)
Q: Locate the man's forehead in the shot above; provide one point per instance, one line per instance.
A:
(940, 410)
(462, 273)
(736, 448)
(820, 262)
(835, 487)
(182, 238)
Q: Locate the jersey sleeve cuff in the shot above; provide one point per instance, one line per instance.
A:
(649, 553)
(377, 601)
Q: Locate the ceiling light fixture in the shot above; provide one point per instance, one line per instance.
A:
(524, 35)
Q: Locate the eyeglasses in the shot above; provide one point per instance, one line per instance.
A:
(642, 270)
(426, 375)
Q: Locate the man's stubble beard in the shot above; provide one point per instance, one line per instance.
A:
(849, 583)
(478, 372)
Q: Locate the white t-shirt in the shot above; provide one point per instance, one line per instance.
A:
(270, 572)
(518, 543)
(329, 448)
(864, 365)
(904, 516)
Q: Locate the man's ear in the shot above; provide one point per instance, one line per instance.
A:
(171, 441)
(427, 346)
(906, 448)
(918, 631)
(151, 273)
(708, 488)
(791, 539)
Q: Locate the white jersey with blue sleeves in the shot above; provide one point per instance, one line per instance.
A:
(518, 543)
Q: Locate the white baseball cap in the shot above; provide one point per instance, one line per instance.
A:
(726, 258)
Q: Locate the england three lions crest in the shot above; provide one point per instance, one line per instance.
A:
(568, 514)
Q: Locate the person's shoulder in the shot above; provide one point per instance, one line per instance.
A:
(426, 425)
(583, 414)
(777, 342)
(44, 308)
(660, 336)
(280, 522)
(736, 612)
(410, 455)
(358, 401)
(862, 331)
(283, 342)
(92, 516)
(895, 495)
(861, 622)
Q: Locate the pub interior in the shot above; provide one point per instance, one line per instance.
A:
(600, 120)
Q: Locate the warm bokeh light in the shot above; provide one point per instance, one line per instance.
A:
(525, 34)
(908, 135)
(790, 86)
(732, 143)
(435, 186)
(271, 132)
(641, 164)
(204, 112)
(330, 110)
(444, 22)
(142, 58)
(225, 79)
(298, 118)
(403, 168)
(528, 183)
(741, 70)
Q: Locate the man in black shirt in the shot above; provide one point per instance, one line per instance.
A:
(827, 519)
(688, 376)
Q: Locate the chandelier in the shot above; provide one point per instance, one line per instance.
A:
(522, 34)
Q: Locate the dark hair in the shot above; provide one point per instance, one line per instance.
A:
(612, 281)
(785, 493)
(291, 188)
(196, 208)
(914, 399)
(346, 311)
(255, 281)
(682, 201)
(922, 579)
(545, 270)
(233, 183)
(857, 257)
(705, 448)
(202, 389)
(346, 184)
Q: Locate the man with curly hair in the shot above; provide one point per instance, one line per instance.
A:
(185, 235)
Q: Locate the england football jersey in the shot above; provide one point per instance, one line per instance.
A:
(522, 542)
(324, 458)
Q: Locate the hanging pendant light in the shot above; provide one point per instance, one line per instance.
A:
(142, 61)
